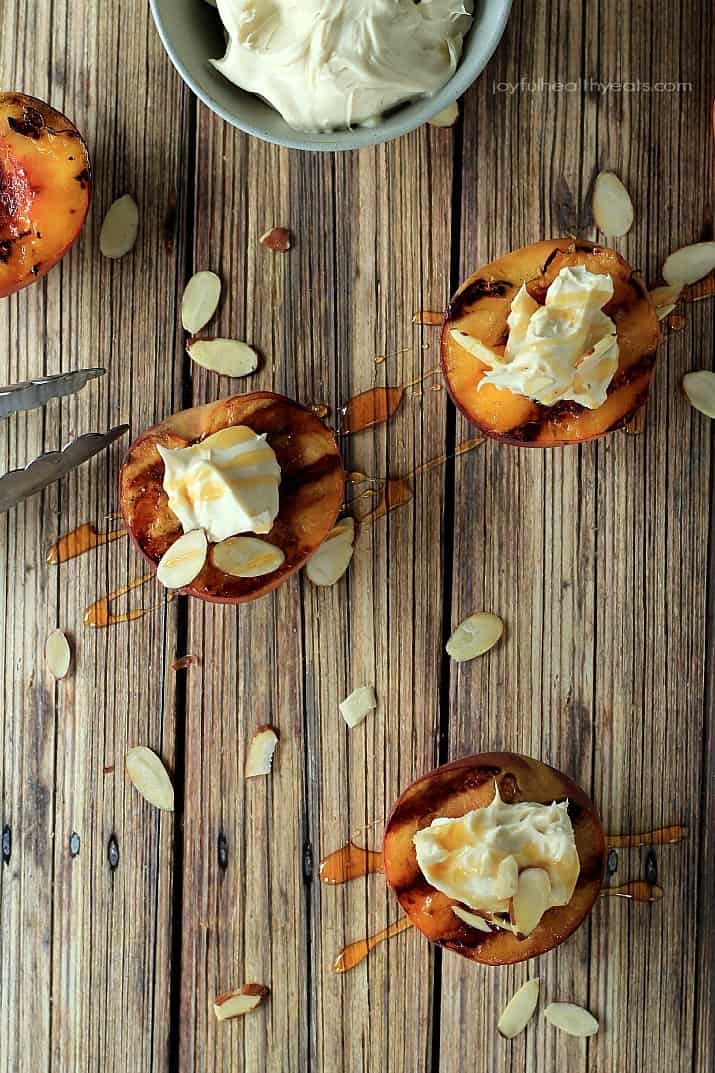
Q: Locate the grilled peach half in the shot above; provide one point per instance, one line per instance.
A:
(45, 189)
(457, 788)
(311, 490)
(481, 307)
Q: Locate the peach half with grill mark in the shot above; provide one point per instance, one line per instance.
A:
(480, 309)
(310, 496)
(455, 789)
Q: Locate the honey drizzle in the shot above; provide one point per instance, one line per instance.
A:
(183, 662)
(354, 953)
(80, 540)
(662, 836)
(376, 405)
(430, 318)
(350, 862)
(396, 492)
(636, 891)
(98, 614)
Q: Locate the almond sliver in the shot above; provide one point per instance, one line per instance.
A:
(355, 708)
(447, 117)
(611, 205)
(200, 301)
(473, 919)
(328, 564)
(475, 636)
(571, 1019)
(243, 556)
(237, 1003)
(150, 777)
(228, 357)
(259, 758)
(531, 899)
(699, 388)
(663, 296)
(475, 347)
(689, 264)
(183, 561)
(119, 228)
(57, 654)
(519, 1010)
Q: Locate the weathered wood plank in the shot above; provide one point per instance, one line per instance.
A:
(319, 314)
(85, 948)
(596, 555)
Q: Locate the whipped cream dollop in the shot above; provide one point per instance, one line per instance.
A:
(225, 484)
(565, 350)
(478, 858)
(327, 64)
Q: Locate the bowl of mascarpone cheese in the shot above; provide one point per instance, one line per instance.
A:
(329, 75)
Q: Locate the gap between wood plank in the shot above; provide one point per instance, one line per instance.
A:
(447, 561)
(184, 268)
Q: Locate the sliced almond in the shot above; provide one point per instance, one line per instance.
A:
(328, 564)
(244, 556)
(236, 1003)
(475, 347)
(689, 264)
(119, 228)
(183, 561)
(447, 117)
(276, 239)
(259, 758)
(473, 919)
(150, 777)
(699, 388)
(611, 205)
(665, 311)
(200, 301)
(229, 357)
(665, 295)
(475, 636)
(502, 922)
(519, 1010)
(571, 1019)
(356, 708)
(531, 900)
(57, 654)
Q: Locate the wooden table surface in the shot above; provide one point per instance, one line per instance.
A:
(120, 924)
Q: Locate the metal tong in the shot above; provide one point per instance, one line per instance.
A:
(18, 484)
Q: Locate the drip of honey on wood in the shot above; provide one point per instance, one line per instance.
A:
(350, 862)
(352, 955)
(82, 539)
(320, 409)
(698, 292)
(636, 424)
(636, 891)
(676, 322)
(663, 836)
(99, 614)
(376, 406)
(183, 662)
(429, 317)
(396, 492)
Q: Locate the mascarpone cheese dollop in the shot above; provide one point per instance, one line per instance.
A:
(565, 350)
(478, 857)
(225, 484)
(327, 64)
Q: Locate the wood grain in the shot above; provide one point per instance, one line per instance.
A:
(596, 555)
(85, 947)
(599, 558)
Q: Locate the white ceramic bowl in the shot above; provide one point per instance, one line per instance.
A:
(192, 35)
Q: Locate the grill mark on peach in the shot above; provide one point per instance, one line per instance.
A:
(480, 288)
